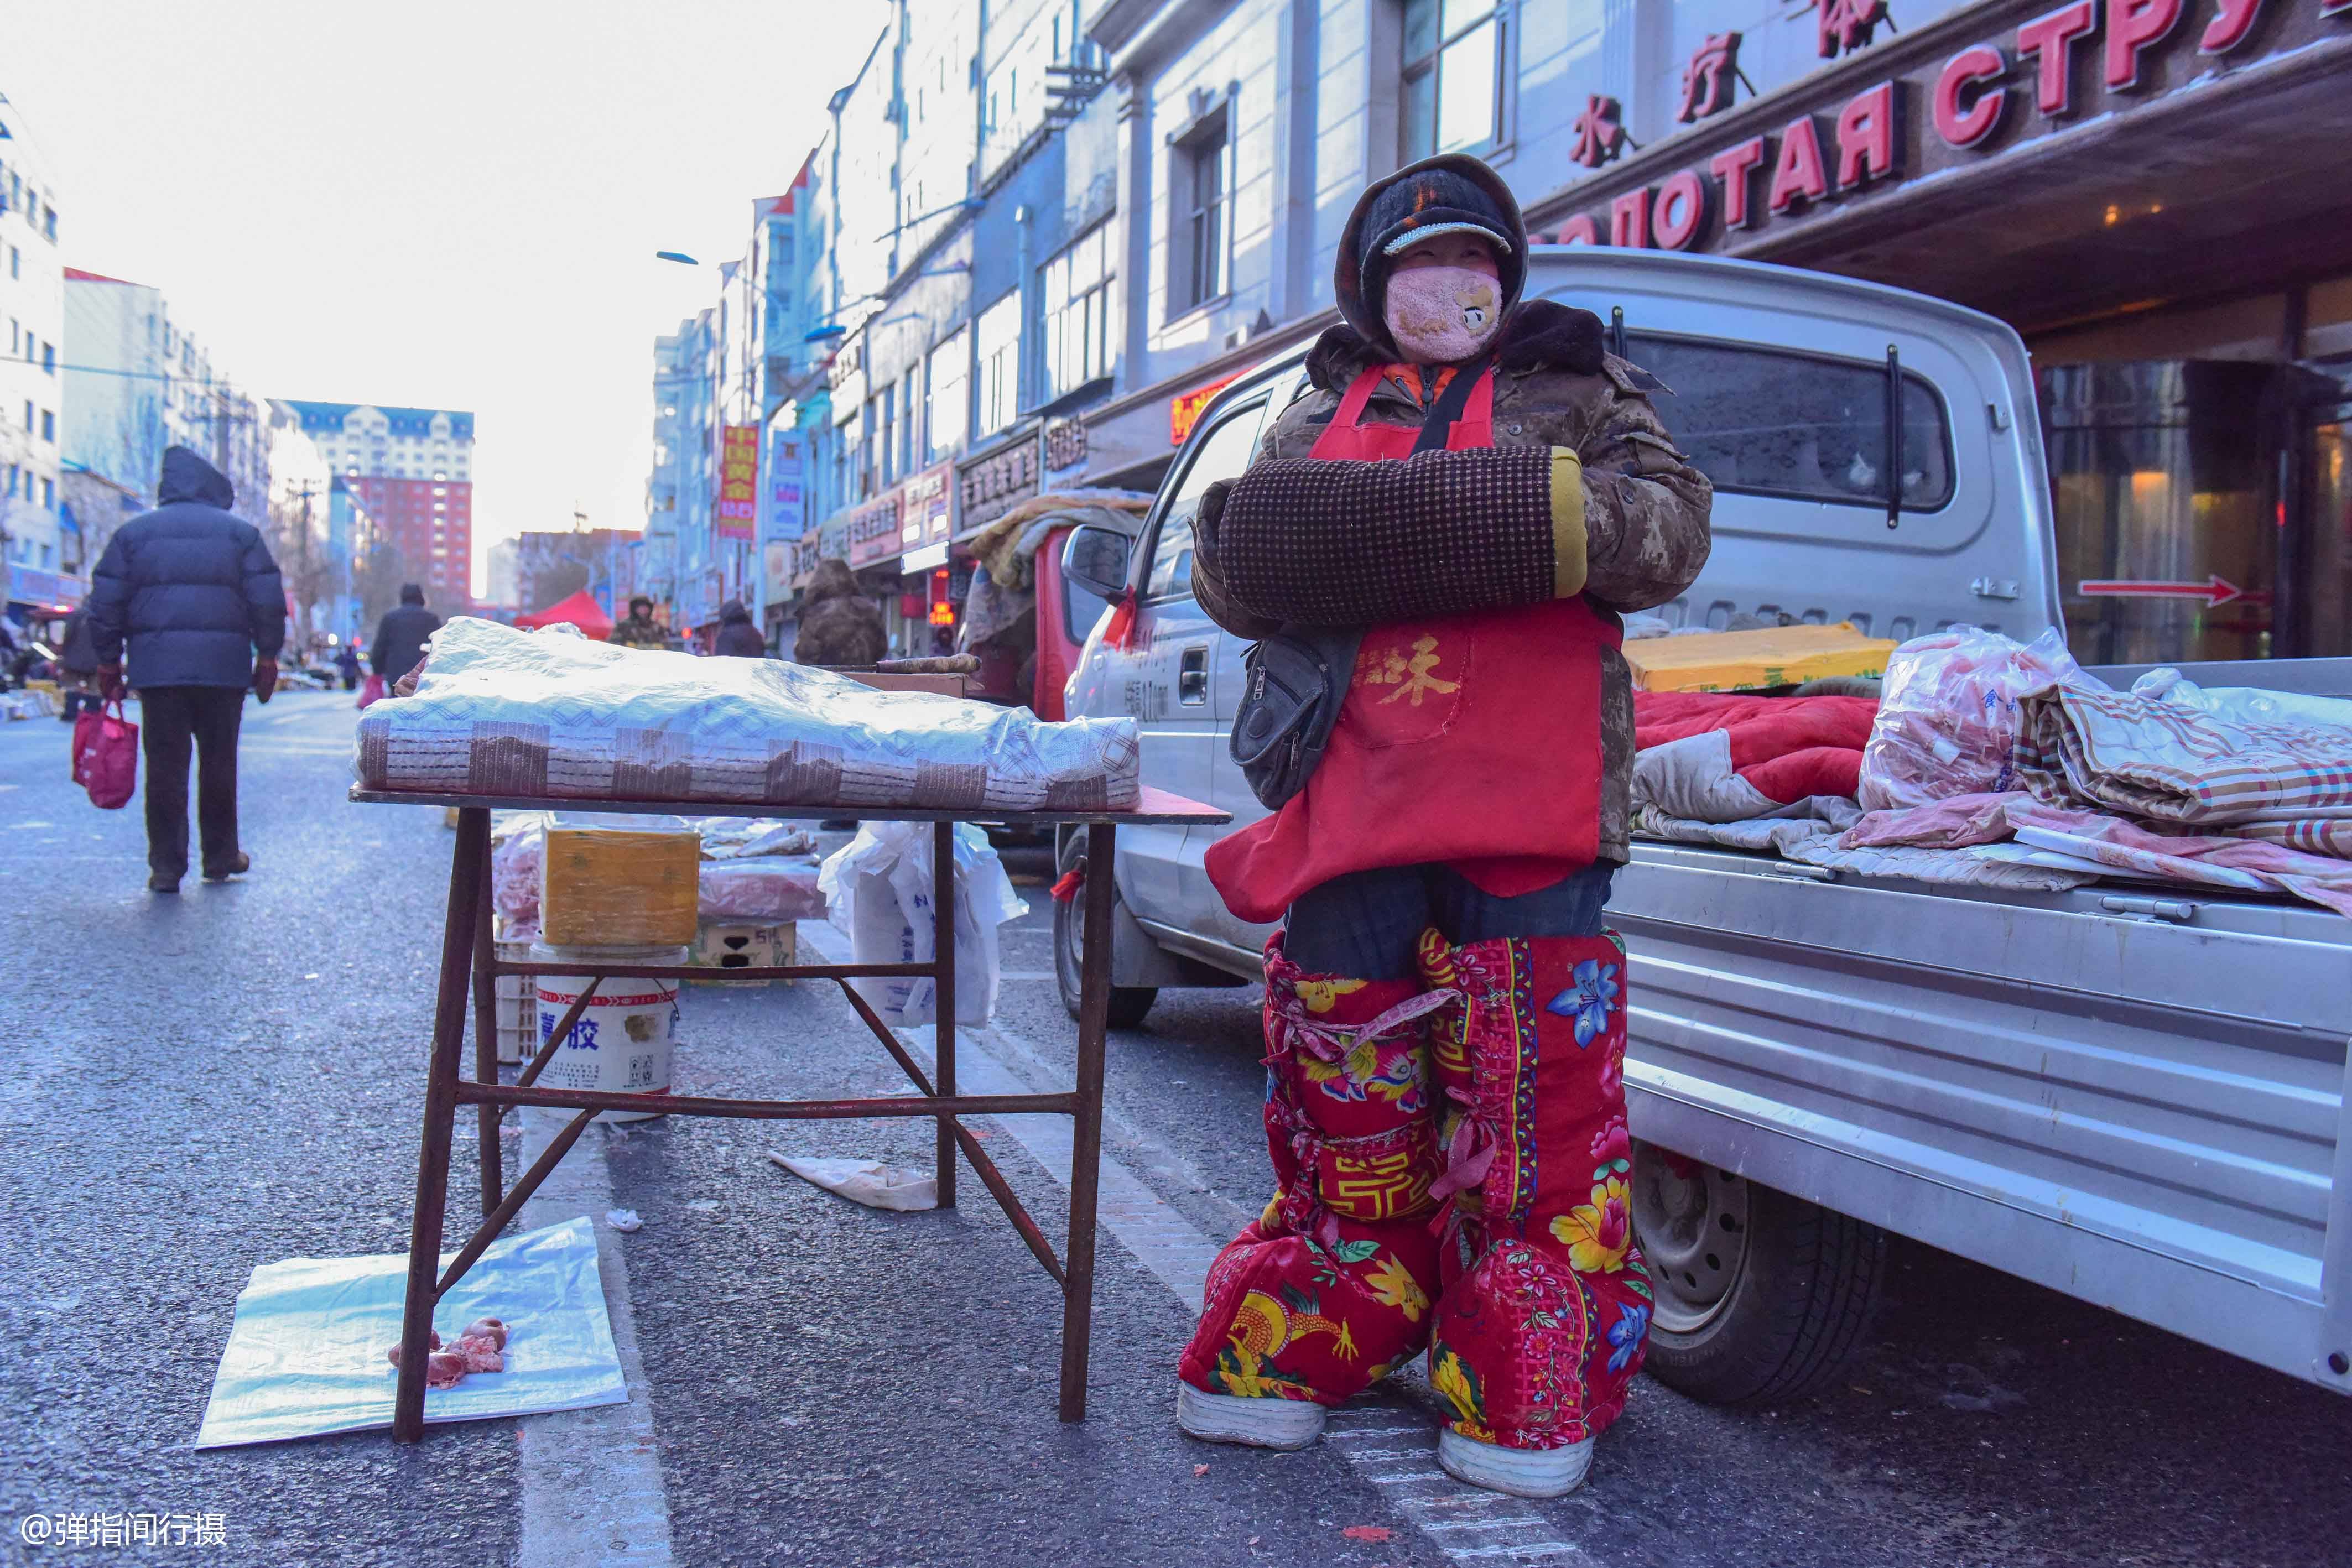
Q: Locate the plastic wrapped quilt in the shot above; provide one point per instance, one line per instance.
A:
(546, 715)
(1950, 715)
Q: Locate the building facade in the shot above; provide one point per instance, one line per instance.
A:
(412, 470)
(48, 559)
(1048, 230)
(137, 381)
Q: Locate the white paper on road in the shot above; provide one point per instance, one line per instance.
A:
(305, 1355)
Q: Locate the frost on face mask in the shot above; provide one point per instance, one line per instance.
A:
(1439, 315)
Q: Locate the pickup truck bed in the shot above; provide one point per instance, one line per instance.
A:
(2141, 1109)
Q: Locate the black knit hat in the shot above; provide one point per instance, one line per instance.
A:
(1454, 194)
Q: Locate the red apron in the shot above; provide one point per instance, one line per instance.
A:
(1467, 740)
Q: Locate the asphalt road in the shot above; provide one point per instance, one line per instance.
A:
(191, 1087)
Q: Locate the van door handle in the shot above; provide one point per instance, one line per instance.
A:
(1193, 677)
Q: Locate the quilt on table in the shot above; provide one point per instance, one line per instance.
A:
(546, 715)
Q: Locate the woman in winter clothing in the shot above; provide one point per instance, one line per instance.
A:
(1445, 1011)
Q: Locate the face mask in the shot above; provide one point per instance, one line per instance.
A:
(1442, 315)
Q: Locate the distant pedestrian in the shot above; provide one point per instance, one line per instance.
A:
(190, 592)
(400, 636)
(347, 664)
(640, 630)
(78, 666)
(737, 638)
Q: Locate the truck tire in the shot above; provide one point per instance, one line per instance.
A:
(1759, 1296)
(1128, 1003)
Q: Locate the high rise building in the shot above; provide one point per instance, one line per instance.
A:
(411, 468)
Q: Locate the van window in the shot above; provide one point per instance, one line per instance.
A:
(1222, 453)
(1772, 421)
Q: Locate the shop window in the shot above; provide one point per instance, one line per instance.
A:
(1453, 72)
(1223, 453)
(1201, 171)
(1079, 285)
(998, 335)
(1769, 422)
(950, 422)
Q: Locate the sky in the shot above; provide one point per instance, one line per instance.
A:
(445, 205)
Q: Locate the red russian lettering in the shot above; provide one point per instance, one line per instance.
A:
(2133, 26)
(1578, 230)
(1968, 110)
(1628, 220)
(2230, 26)
(1799, 173)
(1733, 166)
(1869, 137)
(2051, 40)
(1681, 213)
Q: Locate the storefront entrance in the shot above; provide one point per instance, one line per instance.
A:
(2203, 509)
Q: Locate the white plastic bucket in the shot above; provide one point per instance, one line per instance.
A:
(622, 1042)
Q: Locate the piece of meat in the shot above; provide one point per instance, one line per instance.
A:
(481, 1348)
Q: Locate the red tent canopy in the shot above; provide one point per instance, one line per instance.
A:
(580, 609)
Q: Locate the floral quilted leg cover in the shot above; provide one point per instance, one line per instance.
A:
(1330, 1288)
(1546, 1308)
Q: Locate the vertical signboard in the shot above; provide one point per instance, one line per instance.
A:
(735, 513)
(927, 510)
(785, 500)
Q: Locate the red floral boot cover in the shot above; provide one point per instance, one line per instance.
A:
(1545, 1314)
(1330, 1290)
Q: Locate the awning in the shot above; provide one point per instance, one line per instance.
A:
(579, 611)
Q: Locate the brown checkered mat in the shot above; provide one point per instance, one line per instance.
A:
(550, 714)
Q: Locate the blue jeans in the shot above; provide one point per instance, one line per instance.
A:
(1367, 925)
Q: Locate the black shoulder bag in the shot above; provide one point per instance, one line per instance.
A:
(1297, 679)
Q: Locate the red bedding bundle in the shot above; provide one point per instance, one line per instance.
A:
(1715, 756)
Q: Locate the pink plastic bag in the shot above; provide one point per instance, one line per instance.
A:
(1948, 715)
(373, 691)
(106, 757)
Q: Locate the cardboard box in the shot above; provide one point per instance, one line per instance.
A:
(613, 888)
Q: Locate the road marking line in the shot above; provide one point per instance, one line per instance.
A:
(592, 1482)
(1172, 1247)
(1479, 1523)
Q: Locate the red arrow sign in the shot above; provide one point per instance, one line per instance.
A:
(2215, 590)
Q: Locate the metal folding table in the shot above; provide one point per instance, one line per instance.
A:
(470, 957)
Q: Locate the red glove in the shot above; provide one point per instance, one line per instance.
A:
(265, 678)
(109, 683)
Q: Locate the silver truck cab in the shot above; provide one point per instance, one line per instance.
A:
(2138, 1100)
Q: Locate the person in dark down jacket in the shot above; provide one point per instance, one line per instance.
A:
(737, 638)
(400, 636)
(347, 664)
(189, 591)
(1478, 487)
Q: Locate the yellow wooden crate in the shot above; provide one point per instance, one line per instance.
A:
(1747, 661)
(606, 888)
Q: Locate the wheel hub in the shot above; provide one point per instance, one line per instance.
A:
(1691, 1221)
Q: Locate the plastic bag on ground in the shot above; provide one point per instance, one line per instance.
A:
(1948, 715)
(878, 892)
(869, 1182)
(765, 891)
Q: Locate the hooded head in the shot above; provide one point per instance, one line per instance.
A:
(649, 605)
(733, 610)
(412, 593)
(1444, 312)
(188, 478)
(832, 579)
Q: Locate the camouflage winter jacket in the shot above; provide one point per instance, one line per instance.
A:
(632, 632)
(1643, 525)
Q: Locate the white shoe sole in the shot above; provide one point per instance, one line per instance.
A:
(1259, 1423)
(1536, 1473)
